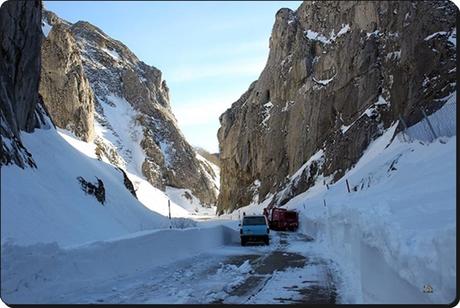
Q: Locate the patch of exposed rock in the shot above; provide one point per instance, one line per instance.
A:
(338, 74)
(96, 189)
(128, 184)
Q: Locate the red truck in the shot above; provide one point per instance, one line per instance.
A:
(281, 219)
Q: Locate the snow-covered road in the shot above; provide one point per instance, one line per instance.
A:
(280, 273)
(286, 271)
(284, 275)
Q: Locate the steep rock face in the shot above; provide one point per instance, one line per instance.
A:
(337, 75)
(65, 90)
(134, 125)
(20, 103)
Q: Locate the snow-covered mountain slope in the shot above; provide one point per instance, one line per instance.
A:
(52, 201)
(184, 197)
(395, 232)
(134, 127)
(47, 204)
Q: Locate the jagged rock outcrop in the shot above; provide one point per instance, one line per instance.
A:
(134, 125)
(337, 75)
(97, 189)
(128, 184)
(65, 90)
(20, 103)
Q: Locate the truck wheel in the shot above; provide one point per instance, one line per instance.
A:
(267, 241)
(243, 242)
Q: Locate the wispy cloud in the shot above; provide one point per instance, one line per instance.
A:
(246, 67)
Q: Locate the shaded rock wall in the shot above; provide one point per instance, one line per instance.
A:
(20, 103)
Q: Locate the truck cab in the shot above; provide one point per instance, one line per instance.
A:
(281, 219)
(254, 229)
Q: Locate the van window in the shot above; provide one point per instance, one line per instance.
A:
(259, 220)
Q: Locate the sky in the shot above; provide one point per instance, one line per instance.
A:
(209, 52)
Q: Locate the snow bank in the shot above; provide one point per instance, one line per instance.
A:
(395, 232)
(32, 274)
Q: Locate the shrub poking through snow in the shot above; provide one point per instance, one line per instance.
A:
(97, 190)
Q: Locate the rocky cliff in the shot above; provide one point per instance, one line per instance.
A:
(89, 77)
(338, 74)
(64, 86)
(20, 103)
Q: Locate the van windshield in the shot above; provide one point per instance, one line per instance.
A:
(258, 220)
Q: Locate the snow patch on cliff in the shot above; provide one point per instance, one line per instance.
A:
(313, 35)
(266, 113)
(112, 53)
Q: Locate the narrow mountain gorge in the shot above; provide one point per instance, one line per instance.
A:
(339, 73)
(120, 103)
(350, 130)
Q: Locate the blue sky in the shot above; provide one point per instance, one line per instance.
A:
(209, 52)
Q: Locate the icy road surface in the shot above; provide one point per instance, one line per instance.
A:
(284, 272)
